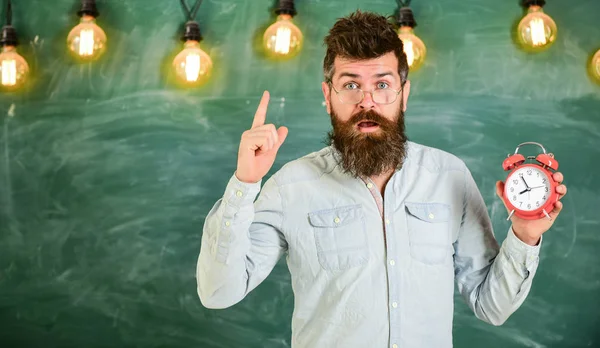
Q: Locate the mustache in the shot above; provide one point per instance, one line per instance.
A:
(370, 115)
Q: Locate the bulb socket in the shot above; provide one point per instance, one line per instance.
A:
(286, 7)
(88, 8)
(528, 3)
(405, 17)
(8, 36)
(192, 32)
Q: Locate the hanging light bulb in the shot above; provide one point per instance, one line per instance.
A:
(536, 31)
(192, 66)
(283, 39)
(13, 68)
(413, 47)
(595, 66)
(87, 41)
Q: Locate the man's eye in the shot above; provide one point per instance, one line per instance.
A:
(382, 85)
(351, 85)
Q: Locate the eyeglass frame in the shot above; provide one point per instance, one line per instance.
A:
(363, 94)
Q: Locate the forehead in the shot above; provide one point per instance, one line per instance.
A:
(366, 68)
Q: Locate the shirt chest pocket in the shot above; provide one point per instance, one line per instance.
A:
(340, 237)
(428, 227)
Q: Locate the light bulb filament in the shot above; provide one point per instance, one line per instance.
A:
(282, 40)
(409, 51)
(86, 43)
(9, 72)
(538, 34)
(192, 67)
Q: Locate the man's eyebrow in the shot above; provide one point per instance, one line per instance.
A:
(356, 76)
(380, 75)
(347, 74)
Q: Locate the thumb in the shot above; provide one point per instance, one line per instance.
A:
(499, 188)
(282, 133)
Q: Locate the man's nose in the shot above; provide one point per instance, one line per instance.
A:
(367, 101)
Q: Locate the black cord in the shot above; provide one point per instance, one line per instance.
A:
(195, 10)
(8, 13)
(185, 8)
(8, 36)
(192, 29)
(191, 14)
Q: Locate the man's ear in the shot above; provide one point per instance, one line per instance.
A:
(326, 95)
(405, 93)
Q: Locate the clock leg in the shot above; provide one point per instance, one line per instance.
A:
(510, 215)
(545, 213)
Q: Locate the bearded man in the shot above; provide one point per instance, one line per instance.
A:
(376, 229)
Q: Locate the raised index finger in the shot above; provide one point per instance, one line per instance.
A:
(261, 112)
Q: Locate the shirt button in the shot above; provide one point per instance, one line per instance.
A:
(239, 193)
(392, 262)
(337, 220)
(227, 223)
(431, 216)
(394, 345)
(387, 221)
(369, 185)
(394, 304)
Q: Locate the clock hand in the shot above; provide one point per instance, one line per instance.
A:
(522, 192)
(522, 178)
(537, 187)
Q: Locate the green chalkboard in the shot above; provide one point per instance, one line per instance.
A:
(107, 171)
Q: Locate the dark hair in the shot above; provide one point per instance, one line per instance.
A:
(363, 35)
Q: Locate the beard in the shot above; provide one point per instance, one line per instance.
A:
(369, 154)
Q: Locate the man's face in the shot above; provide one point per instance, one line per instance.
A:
(369, 135)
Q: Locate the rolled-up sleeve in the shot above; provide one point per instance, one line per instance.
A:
(242, 241)
(493, 280)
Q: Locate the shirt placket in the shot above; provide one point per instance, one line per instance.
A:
(392, 281)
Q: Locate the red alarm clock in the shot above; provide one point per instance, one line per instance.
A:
(529, 190)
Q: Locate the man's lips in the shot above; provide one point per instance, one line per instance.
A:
(367, 126)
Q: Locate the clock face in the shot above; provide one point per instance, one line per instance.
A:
(528, 188)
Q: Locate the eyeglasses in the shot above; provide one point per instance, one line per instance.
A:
(355, 96)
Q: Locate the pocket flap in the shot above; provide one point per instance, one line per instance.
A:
(335, 217)
(429, 212)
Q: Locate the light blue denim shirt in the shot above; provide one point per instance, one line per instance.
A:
(361, 276)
